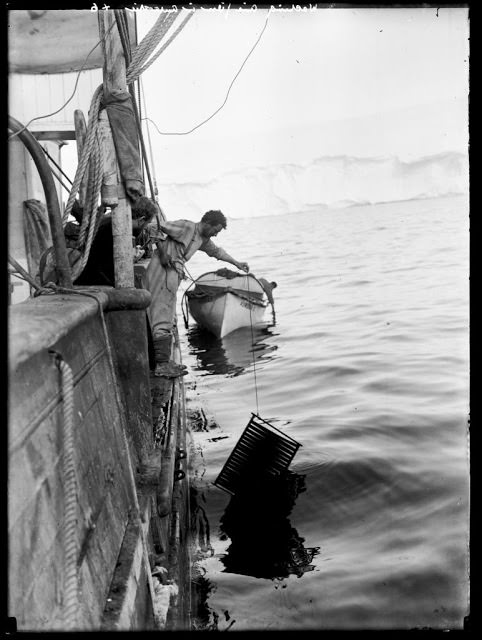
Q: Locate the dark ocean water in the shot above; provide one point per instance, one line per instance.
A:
(367, 366)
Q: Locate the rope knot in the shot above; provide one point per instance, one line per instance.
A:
(47, 288)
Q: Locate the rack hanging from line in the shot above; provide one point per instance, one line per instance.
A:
(261, 451)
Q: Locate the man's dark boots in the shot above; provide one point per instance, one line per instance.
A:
(165, 367)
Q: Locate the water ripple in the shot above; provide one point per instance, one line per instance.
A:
(368, 368)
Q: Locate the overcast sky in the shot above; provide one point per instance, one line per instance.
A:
(308, 69)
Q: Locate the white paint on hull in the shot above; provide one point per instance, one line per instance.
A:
(225, 314)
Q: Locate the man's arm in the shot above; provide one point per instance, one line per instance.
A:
(220, 254)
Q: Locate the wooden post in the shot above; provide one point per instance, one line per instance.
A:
(115, 80)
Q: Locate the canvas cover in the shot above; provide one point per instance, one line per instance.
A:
(55, 41)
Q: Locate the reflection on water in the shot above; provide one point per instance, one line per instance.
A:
(373, 379)
(263, 542)
(232, 354)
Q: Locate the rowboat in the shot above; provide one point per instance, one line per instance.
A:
(223, 301)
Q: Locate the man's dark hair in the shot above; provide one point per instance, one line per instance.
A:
(145, 208)
(215, 217)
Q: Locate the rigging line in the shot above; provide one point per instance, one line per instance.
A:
(73, 93)
(139, 79)
(133, 72)
(123, 30)
(185, 133)
(20, 272)
(141, 88)
(56, 175)
(144, 165)
(159, 210)
(139, 109)
(57, 165)
(254, 356)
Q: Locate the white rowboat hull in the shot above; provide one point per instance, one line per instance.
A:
(223, 301)
(225, 313)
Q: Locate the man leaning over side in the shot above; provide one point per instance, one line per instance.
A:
(183, 238)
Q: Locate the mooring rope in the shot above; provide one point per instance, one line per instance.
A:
(69, 529)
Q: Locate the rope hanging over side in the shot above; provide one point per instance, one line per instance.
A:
(69, 532)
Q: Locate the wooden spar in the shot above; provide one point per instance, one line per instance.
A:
(114, 78)
(80, 133)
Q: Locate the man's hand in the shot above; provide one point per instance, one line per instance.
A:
(244, 266)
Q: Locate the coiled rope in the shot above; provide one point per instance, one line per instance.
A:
(69, 531)
(92, 162)
(87, 150)
(92, 159)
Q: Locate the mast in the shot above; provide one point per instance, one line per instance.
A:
(114, 79)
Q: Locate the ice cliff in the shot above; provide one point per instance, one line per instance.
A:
(331, 181)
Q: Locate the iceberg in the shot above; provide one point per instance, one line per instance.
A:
(328, 181)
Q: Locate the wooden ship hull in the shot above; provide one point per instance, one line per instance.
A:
(98, 490)
(124, 480)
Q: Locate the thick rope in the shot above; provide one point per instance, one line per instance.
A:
(135, 69)
(71, 590)
(92, 183)
(150, 42)
(86, 150)
(92, 162)
(96, 212)
(92, 153)
(166, 44)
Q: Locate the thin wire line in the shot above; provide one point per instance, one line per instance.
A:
(73, 93)
(254, 357)
(185, 133)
